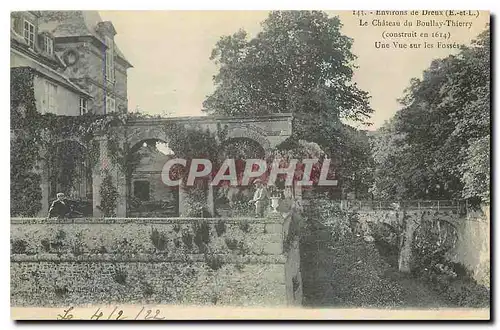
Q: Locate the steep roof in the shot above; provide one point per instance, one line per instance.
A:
(74, 23)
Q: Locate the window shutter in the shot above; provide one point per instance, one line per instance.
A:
(41, 42)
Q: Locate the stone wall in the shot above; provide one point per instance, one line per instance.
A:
(473, 245)
(241, 262)
(472, 248)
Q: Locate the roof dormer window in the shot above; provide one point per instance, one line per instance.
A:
(29, 33)
(48, 45)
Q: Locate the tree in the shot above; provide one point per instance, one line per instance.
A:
(299, 63)
(437, 144)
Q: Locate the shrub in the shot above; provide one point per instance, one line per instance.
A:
(109, 196)
(244, 226)
(231, 243)
(187, 239)
(120, 276)
(241, 208)
(201, 234)
(213, 261)
(220, 227)
(78, 246)
(327, 213)
(158, 239)
(60, 291)
(147, 289)
(18, 246)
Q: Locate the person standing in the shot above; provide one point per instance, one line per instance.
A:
(259, 198)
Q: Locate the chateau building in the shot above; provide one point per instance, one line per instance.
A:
(79, 68)
(76, 68)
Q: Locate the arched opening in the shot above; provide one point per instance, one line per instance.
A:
(233, 200)
(70, 172)
(147, 195)
(432, 240)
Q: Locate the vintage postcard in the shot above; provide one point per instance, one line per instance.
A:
(250, 165)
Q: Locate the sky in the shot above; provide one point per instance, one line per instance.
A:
(172, 72)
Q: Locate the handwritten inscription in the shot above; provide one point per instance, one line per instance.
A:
(115, 314)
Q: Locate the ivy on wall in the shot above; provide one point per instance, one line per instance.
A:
(109, 196)
(25, 181)
(37, 137)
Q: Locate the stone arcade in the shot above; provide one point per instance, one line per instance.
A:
(266, 131)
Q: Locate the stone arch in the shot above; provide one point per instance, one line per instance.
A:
(251, 132)
(147, 195)
(75, 180)
(139, 134)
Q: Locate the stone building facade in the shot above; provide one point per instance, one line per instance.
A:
(77, 69)
(76, 51)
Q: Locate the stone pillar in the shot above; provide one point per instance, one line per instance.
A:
(405, 253)
(182, 198)
(43, 170)
(121, 187)
(297, 191)
(119, 179)
(96, 194)
(210, 199)
(97, 173)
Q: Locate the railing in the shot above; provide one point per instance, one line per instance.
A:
(458, 205)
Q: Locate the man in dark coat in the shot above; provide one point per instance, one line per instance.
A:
(60, 208)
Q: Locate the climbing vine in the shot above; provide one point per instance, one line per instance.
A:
(109, 196)
(37, 137)
(40, 137)
(25, 181)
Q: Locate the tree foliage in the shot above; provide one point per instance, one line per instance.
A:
(437, 145)
(299, 63)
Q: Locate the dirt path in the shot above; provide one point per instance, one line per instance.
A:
(355, 275)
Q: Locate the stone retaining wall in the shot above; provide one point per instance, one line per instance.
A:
(241, 262)
(472, 248)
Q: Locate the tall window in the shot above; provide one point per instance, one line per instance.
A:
(83, 106)
(48, 45)
(49, 100)
(29, 33)
(110, 104)
(110, 59)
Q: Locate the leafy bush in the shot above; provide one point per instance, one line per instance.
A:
(147, 289)
(158, 239)
(195, 202)
(220, 227)
(109, 196)
(214, 261)
(244, 226)
(232, 243)
(187, 239)
(60, 291)
(18, 246)
(120, 276)
(201, 234)
(432, 239)
(327, 213)
(241, 208)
